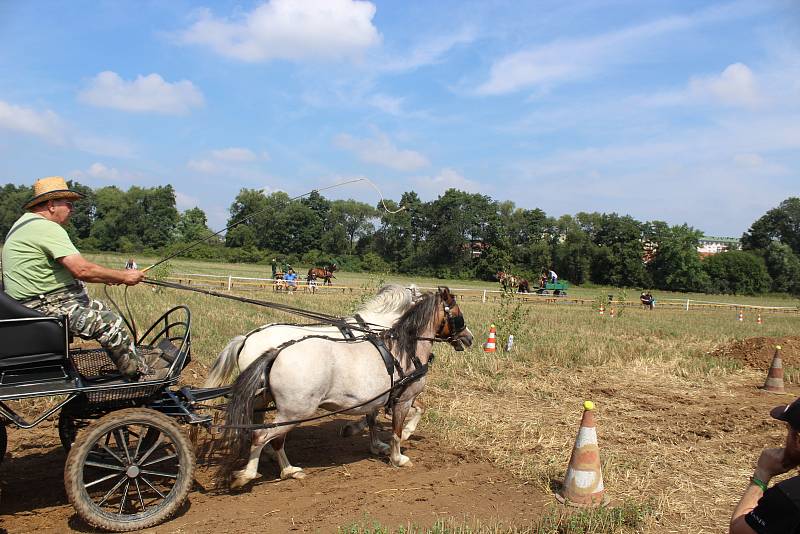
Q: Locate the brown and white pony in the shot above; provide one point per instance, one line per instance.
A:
(324, 273)
(513, 283)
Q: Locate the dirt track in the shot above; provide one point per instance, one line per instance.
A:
(344, 485)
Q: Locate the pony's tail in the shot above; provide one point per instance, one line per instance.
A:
(239, 411)
(226, 363)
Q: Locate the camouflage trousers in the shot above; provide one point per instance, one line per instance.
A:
(91, 319)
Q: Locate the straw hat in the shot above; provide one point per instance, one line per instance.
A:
(51, 188)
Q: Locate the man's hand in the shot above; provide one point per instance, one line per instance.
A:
(133, 277)
(772, 462)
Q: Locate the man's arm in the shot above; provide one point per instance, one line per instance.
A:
(82, 269)
(770, 464)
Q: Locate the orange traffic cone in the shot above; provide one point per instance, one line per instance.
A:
(491, 343)
(741, 315)
(613, 313)
(602, 310)
(758, 320)
(774, 381)
(583, 483)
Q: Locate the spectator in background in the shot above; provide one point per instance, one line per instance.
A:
(131, 264)
(553, 276)
(291, 279)
(774, 510)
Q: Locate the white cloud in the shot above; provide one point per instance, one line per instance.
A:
(100, 173)
(387, 104)
(205, 166)
(293, 30)
(45, 124)
(448, 178)
(735, 86)
(566, 60)
(382, 151)
(149, 93)
(428, 52)
(234, 154)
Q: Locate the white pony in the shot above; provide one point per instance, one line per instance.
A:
(380, 313)
(338, 376)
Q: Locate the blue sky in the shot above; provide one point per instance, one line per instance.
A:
(677, 111)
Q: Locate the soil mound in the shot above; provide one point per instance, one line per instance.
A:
(757, 352)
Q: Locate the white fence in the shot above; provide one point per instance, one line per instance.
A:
(245, 283)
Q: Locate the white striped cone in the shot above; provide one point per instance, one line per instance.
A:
(741, 316)
(613, 313)
(583, 483)
(774, 381)
(758, 320)
(491, 343)
(602, 310)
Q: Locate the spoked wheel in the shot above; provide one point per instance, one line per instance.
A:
(129, 470)
(3, 441)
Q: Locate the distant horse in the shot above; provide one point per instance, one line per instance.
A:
(523, 286)
(508, 281)
(325, 273)
(335, 375)
(379, 313)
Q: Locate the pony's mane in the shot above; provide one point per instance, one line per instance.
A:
(390, 298)
(405, 331)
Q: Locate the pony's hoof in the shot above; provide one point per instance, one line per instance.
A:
(293, 472)
(402, 461)
(241, 478)
(381, 449)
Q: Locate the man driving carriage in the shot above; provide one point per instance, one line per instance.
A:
(44, 271)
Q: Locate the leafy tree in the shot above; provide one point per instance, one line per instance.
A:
(12, 198)
(676, 265)
(192, 226)
(784, 267)
(355, 217)
(618, 259)
(781, 223)
(737, 272)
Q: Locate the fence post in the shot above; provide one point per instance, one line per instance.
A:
(687, 304)
(484, 296)
(229, 282)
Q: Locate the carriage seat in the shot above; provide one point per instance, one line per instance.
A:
(30, 339)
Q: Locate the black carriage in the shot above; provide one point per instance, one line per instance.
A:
(129, 464)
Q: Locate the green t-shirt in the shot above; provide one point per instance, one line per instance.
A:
(29, 257)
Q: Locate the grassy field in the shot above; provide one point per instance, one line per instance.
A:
(679, 429)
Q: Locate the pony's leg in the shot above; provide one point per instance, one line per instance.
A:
(399, 413)
(260, 439)
(376, 446)
(415, 415)
(351, 429)
(287, 469)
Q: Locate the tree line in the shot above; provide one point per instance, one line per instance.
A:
(458, 235)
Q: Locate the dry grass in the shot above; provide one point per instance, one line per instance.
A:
(679, 430)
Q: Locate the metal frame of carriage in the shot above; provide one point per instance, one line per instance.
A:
(131, 466)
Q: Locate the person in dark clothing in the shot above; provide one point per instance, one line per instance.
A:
(774, 510)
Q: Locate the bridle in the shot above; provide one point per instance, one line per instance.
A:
(451, 325)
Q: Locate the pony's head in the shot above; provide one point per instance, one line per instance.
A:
(452, 326)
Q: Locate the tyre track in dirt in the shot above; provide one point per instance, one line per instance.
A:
(345, 484)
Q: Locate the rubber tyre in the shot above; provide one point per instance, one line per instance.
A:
(3, 441)
(88, 447)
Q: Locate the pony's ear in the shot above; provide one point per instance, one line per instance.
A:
(444, 291)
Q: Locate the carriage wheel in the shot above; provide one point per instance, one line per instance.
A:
(3, 441)
(129, 470)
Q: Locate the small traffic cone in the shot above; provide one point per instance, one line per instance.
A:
(741, 315)
(774, 381)
(491, 343)
(758, 320)
(613, 313)
(583, 483)
(602, 310)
